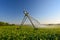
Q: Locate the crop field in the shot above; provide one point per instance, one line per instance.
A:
(28, 33)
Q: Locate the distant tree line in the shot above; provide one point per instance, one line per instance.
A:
(5, 24)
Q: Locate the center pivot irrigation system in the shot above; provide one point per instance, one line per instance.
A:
(31, 19)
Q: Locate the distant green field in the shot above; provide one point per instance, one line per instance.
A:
(28, 33)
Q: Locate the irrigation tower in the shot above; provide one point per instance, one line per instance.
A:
(31, 19)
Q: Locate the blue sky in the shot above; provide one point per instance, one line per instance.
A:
(45, 11)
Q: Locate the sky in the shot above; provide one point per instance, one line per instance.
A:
(45, 11)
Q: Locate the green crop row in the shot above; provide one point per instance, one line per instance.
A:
(27, 33)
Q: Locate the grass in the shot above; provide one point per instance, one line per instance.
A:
(28, 33)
